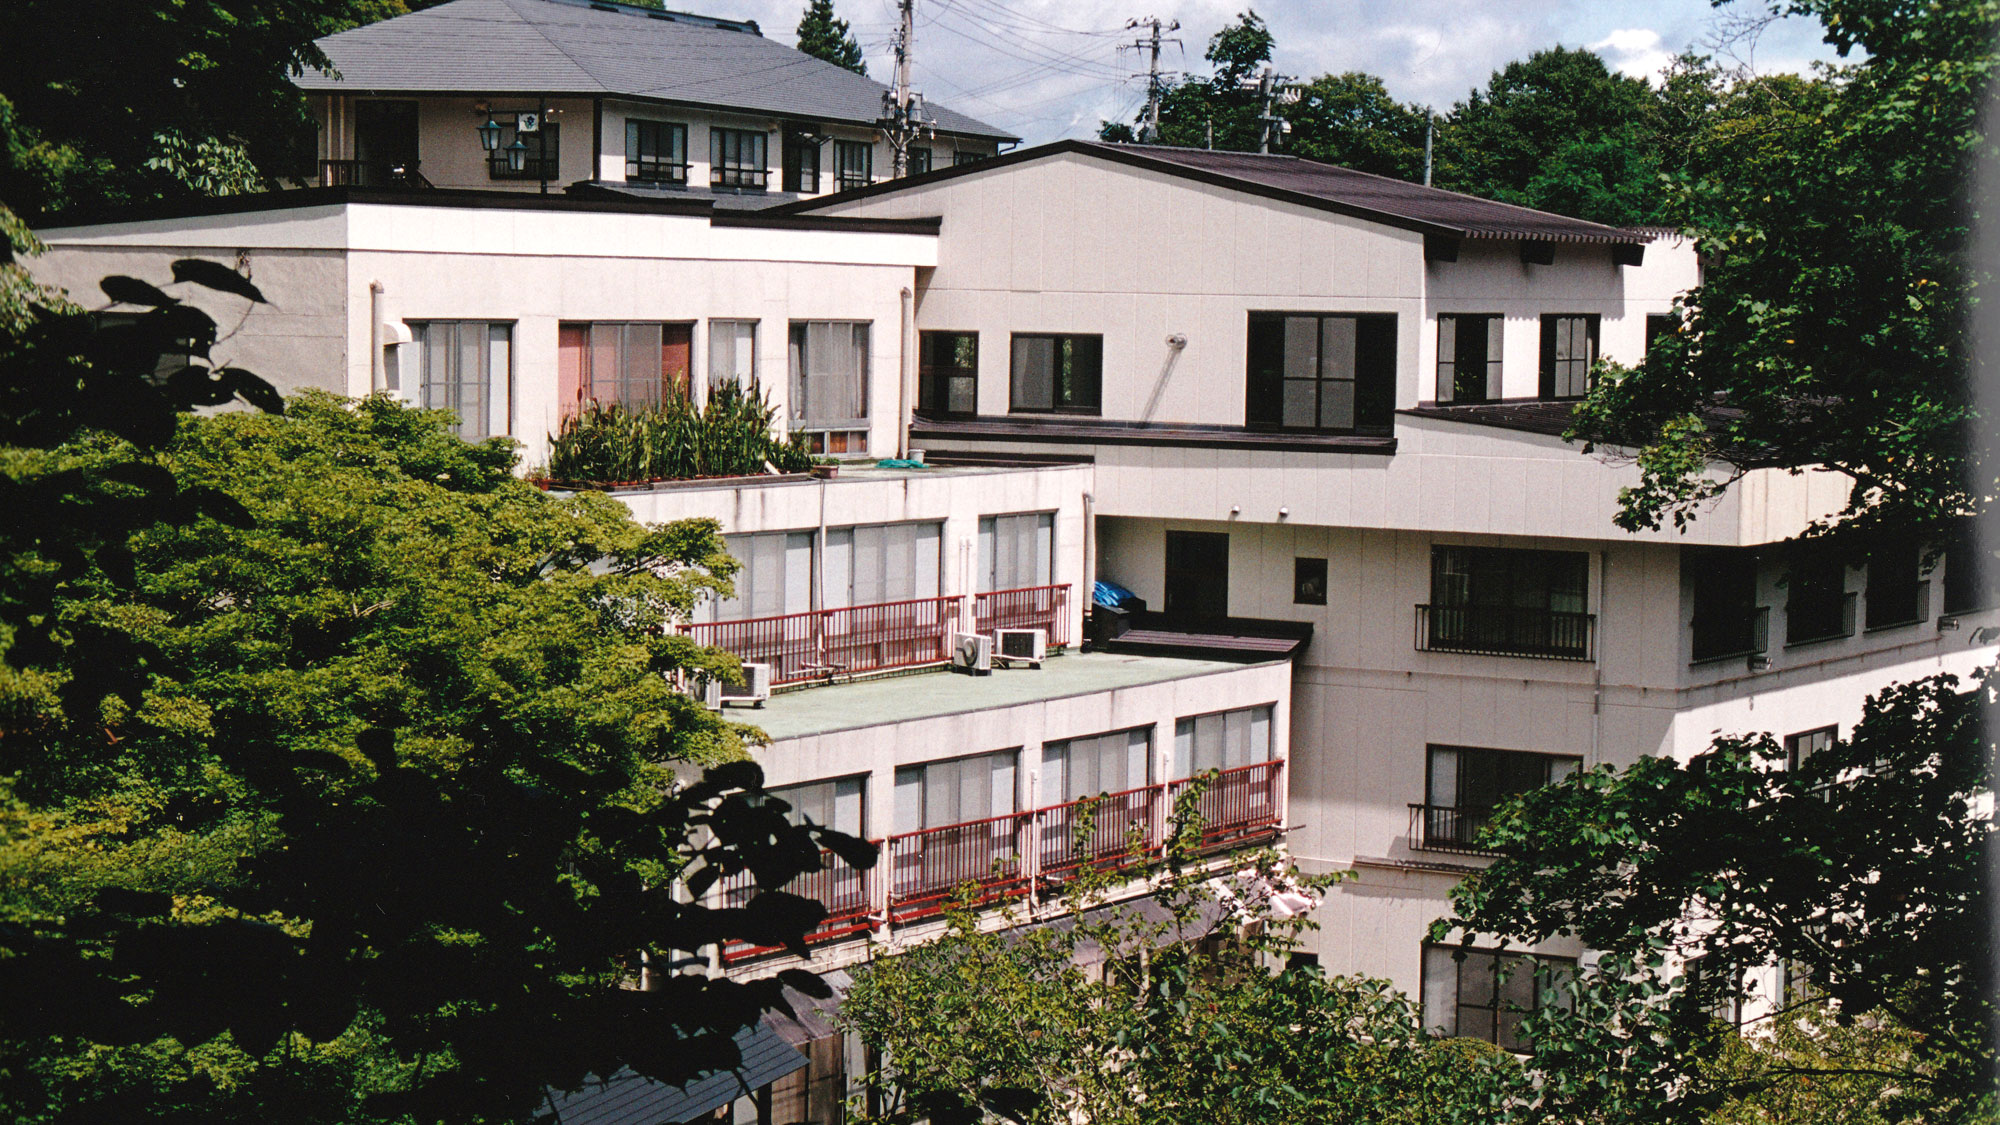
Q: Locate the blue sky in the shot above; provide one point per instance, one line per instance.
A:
(1048, 69)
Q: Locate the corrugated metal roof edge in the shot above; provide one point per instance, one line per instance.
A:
(1118, 154)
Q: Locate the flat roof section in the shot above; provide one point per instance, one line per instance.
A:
(930, 695)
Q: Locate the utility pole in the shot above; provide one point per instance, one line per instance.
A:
(1151, 133)
(1430, 129)
(902, 109)
(1271, 88)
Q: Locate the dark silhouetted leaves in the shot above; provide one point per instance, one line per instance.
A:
(214, 275)
(132, 291)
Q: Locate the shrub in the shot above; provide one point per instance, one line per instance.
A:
(673, 440)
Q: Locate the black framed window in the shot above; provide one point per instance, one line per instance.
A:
(1468, 358)
(1308, 581)
(1802, 746)
(948, 374)
(738, 158)
(801, 162)
(1059, 374)
(963, 157)
(1569, 347)
(1308, 371)
(1817, 604)
(1463, 785)
(1508, 602)
(920, 160)
(853, 164)
(1485, 994)
(544, 156)
(1727, 619)
(1968, 577)
(656, 152)
(1897, 593)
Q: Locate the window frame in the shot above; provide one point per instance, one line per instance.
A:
(1453, 368)
(1539, 961)
(1460, 839)
(1555, 380)
(665, 169)
(987, 553)
(934, 401)
(718, 322)
(918, 159)
(544, 156)
(801, 148)
(1826, 593)
(588, 380)
(1540, 631)
(1372, 381)
(1896, 593)
(1710, 599)
(1249, 717)
(1309, 580)
(1076, 380)
(827, 434)
(503, 388)
(729, 167)
(853, 164)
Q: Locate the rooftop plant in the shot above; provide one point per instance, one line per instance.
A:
(675, 439)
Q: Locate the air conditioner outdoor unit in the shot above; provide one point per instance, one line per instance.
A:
(1021, 646)
(755, 690)
(972, 652)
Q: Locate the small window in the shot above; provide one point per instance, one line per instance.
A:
(732, 353)
(948, 374)
(1727, 619)
(775, 578)
(1569, 347)
(1016, 552)
(1308, 581)
(738, 158)
(1468, 358)
(467, 369)
(801, 162)
(1485, 994)
(853, 164)
(544, 153)
(1817, 604)
(1224, 740)
(963, 157)
(1057, 374)
(1802, 746)
(1896, 592)
(656, 152)
(1328, 373)
(1660, 326)
(635, 365)
(920, 160)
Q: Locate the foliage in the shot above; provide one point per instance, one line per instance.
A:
(1864, 870)
(825, 36)
(1831, 328)
(674, 440)
(1213, 111)
(1808, 1066)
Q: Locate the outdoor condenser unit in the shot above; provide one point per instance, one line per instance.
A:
(972, 652)
(1021, 646)
(755, 690)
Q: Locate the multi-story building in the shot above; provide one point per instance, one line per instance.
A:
(589, 95)
(1312, 417)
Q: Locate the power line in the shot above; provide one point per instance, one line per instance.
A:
(1151, 133)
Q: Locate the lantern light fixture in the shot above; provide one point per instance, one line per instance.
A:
(489, 134)
(517, 156)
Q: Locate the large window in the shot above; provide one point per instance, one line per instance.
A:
(891, 562)
(801, 162)
(656, 152)
(837, 803)
(1312, 372)
(1464, 784)
(1727, 619)
(1017, 551)
(1508, 602)
(544, 153)
(1468, 361)
(1075, 768)
(738, 158)
(853, 164)
(935, 794)
(1897, 593)
(467, 369)
(635, 365)
(948, 374)
(1221, 741)
(1057, 374)
(732, 353)
(1485, 994)
(829, 366)
(1817, 604)
(776, 576)
(1569, 347)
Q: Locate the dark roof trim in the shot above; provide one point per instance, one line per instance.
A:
(1121, 154)
(303, 198)
(1073, 431)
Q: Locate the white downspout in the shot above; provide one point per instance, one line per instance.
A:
(1089, 591)
(377, 382)
(906, 374)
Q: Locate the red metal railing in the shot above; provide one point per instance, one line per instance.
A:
(928, 866)
(1032, 607)
(1239, 805)
(1122, 829)
(847, 894)
(861, 638)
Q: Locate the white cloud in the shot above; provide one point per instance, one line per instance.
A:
(1636, 52)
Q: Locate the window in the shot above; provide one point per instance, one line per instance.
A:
(467, 369)
(890, 562)
(948, 374)
(1308, 581)
(1896, 592)
(544, 155)
(801, 162)
(920, 160)
(837, 803)
(1802, 746)
(1508, 602)
(633, 365)
(1195, 577)
(736, 158)
(1309, 372)
(1724, 979)
(656, 152)
(732, 353)
(1464, 784)
(1016, 552)
(1057, 374)
(853, 164)
(955, 791)
(1075, 768)
(829, 372)
(1569, 347)
(1468, 362)
(1727, 619)
(1221, 741)
(1968, 577)
(1484, 993)
(963, 157)
(776, 577)
(1817, 604)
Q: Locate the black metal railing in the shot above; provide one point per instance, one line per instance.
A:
(1722, 638)
(1819, 619)
(371, 173)
(1907, 604)
(1444, 828)
(1499, 630)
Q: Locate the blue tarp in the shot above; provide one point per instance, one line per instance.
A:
(1111, 594)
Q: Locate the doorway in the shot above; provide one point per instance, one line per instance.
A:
(385, 143)
(1197, 583)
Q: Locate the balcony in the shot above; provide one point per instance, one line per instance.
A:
(851, 640)
(1024, 855)
(1727, 638)
(1809, 621)
(371, 173)
(1899, 605)
(1443, 828)
(1498, 630)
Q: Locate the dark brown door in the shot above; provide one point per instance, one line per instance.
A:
(385, 142)
(1197, 574)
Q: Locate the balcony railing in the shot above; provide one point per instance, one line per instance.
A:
(1908, 604)
(1010, 857)
(1500, 630)
(880, 637)
(1725, 638)
(1444, 828)
(371, 173)
(1819, 619)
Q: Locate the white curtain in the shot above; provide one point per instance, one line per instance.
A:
(833, 363)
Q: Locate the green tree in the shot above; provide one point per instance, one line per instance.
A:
(1863, 871)
(824, 36)
(1350, 120)
(1831, 324)
(1213, 111)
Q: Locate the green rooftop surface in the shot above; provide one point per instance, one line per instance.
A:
(928, 695)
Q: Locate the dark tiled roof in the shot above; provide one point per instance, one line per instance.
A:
(1295, 179)
(1551, 418)
(628, 1099)
(480, 47)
